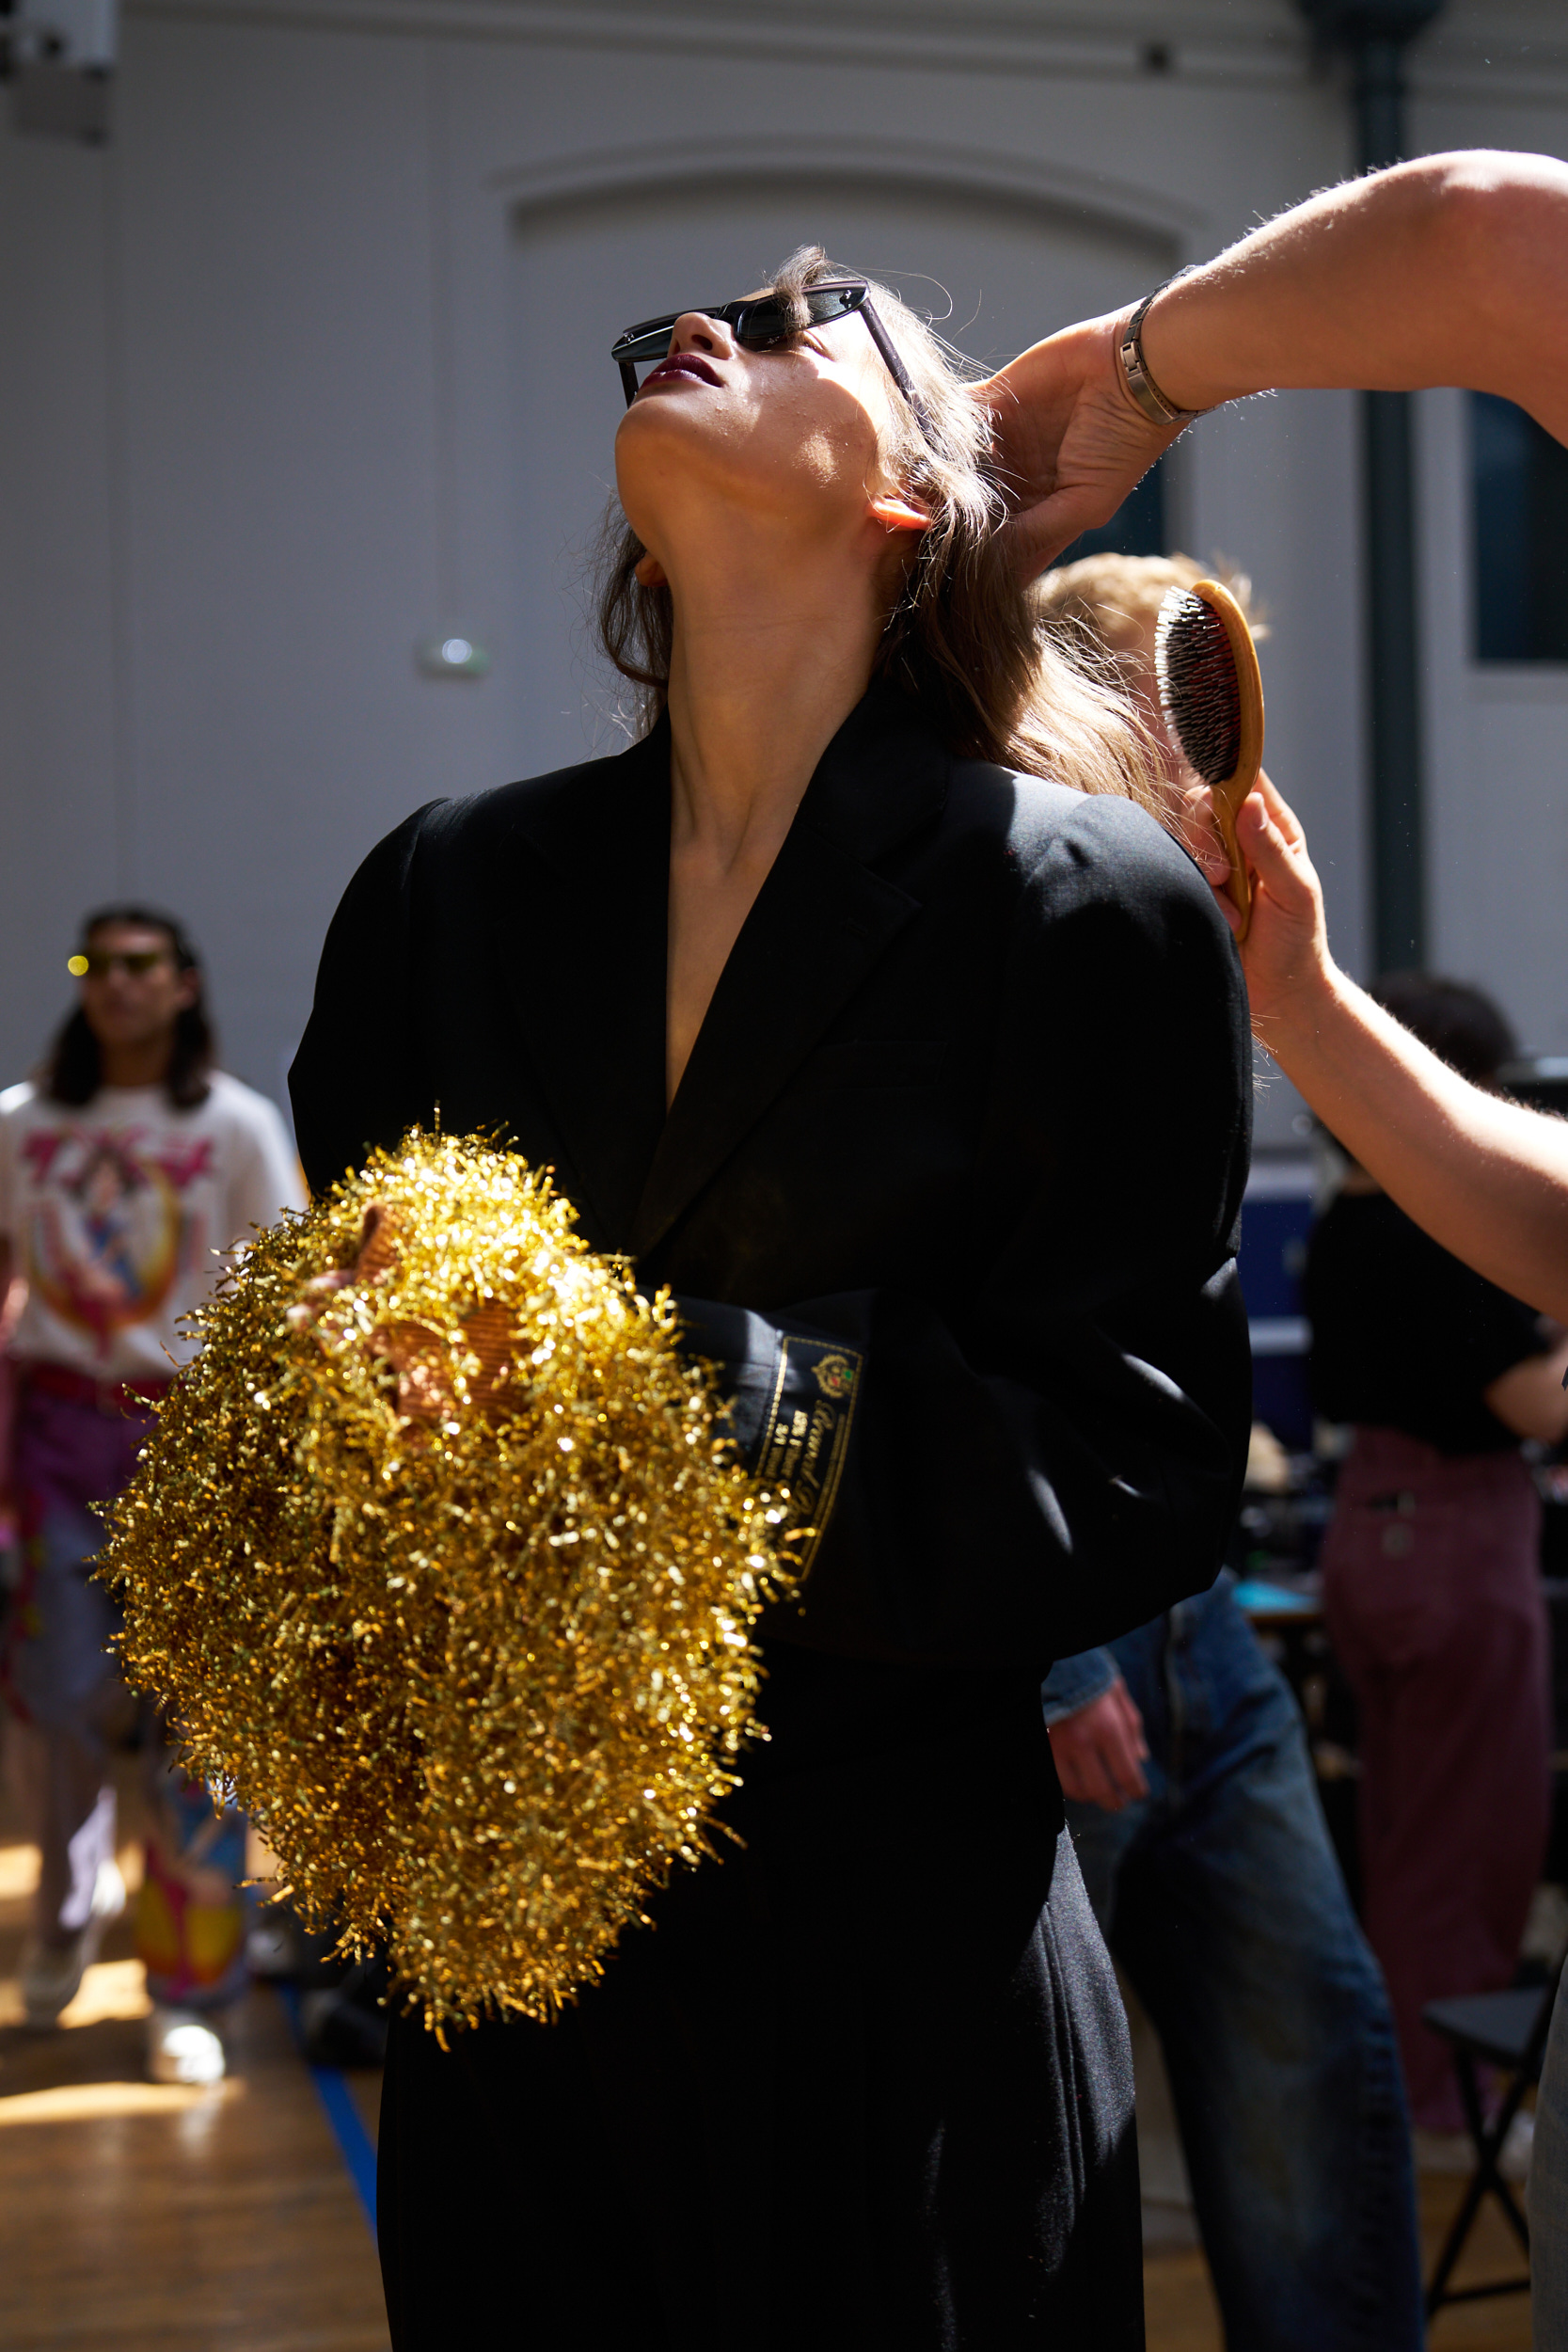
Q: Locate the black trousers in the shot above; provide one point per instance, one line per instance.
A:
(864, 2086)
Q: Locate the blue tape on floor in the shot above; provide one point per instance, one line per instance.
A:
(348, 2127)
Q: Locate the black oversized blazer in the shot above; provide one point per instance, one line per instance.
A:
(971, 1097)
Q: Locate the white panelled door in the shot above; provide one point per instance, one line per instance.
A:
(994, 274)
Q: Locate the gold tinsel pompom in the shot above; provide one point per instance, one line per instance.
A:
(440, 1561)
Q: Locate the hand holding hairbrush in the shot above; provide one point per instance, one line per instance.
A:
(1211, 693)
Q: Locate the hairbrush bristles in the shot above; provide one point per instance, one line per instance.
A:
(1199, 692)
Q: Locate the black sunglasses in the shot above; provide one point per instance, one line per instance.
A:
(98, 963)
(760, 322)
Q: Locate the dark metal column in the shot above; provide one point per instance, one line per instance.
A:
(1374, 34)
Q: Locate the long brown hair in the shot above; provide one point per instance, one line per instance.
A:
(962, 641)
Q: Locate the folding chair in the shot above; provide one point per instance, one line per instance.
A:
(1507, 2030)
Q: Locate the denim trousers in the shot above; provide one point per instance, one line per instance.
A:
(1221, 1898)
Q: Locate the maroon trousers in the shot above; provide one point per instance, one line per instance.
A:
(1432, 1589)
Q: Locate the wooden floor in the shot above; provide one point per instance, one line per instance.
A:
(136, 2217)
(139, 2218)
(1182, 2318)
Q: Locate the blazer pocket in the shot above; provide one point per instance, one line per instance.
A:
(866, 1063)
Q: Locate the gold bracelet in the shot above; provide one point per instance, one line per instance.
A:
(1135, 375)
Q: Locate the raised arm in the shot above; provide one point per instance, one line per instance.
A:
(1449, 270)
(1484, 1176)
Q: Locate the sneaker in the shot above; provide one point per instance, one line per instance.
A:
(1519, 2143)
(50, 1973)
(183, 2047)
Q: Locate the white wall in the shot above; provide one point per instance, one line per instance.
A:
(312, 362)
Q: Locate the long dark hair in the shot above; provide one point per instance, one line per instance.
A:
(74, 1072)
(962, 641)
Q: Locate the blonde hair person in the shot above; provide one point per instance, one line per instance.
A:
(1117, 599)
(853, 1002)
(1100, 613)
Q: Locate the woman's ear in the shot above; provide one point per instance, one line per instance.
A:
(894, 511)
(649, 573)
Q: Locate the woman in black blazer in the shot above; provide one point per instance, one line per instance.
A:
(923, 1082)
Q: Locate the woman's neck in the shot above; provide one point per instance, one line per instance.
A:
(770, 657)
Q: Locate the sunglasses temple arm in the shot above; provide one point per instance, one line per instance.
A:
(628, 380)
(896, 367)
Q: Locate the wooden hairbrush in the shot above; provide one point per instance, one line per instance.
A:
(1211, 693)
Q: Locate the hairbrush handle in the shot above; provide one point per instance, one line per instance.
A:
(1231, 791)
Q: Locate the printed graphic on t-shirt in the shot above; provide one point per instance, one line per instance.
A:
(119, 1211)
(111, 1227)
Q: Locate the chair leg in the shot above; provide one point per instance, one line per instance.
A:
(1489, 2138)
(1485, 2181)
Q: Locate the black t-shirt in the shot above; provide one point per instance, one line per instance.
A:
(1405, 1337)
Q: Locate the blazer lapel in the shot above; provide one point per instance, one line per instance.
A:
(585, 966)
(821, 922)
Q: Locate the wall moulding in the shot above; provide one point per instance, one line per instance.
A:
(1116, 47)
(1023, 182)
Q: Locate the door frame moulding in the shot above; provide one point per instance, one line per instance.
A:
(1026, 182)
(494, 207)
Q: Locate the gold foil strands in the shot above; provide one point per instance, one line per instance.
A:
(442, 1565)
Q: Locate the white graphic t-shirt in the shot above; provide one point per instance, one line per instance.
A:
(114, 1213)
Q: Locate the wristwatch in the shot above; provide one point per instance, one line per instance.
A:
(1135, 375)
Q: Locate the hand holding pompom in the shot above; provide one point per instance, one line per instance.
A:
(443, 1565)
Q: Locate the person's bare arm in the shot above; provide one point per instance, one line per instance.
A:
(1529, 1398)
(1486, 1177)
(1449, 270)
(1452, 269)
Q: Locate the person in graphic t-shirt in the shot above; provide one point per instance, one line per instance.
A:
(126, 1170)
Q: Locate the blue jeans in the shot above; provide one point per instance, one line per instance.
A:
(1221, 1898)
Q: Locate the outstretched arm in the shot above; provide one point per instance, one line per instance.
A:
(1484, 1176)
(1449, 270)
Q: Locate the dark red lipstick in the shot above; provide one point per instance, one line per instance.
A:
(684, 364)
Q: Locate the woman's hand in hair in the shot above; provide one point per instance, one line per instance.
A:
(1070, 441)
(1450, 269)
